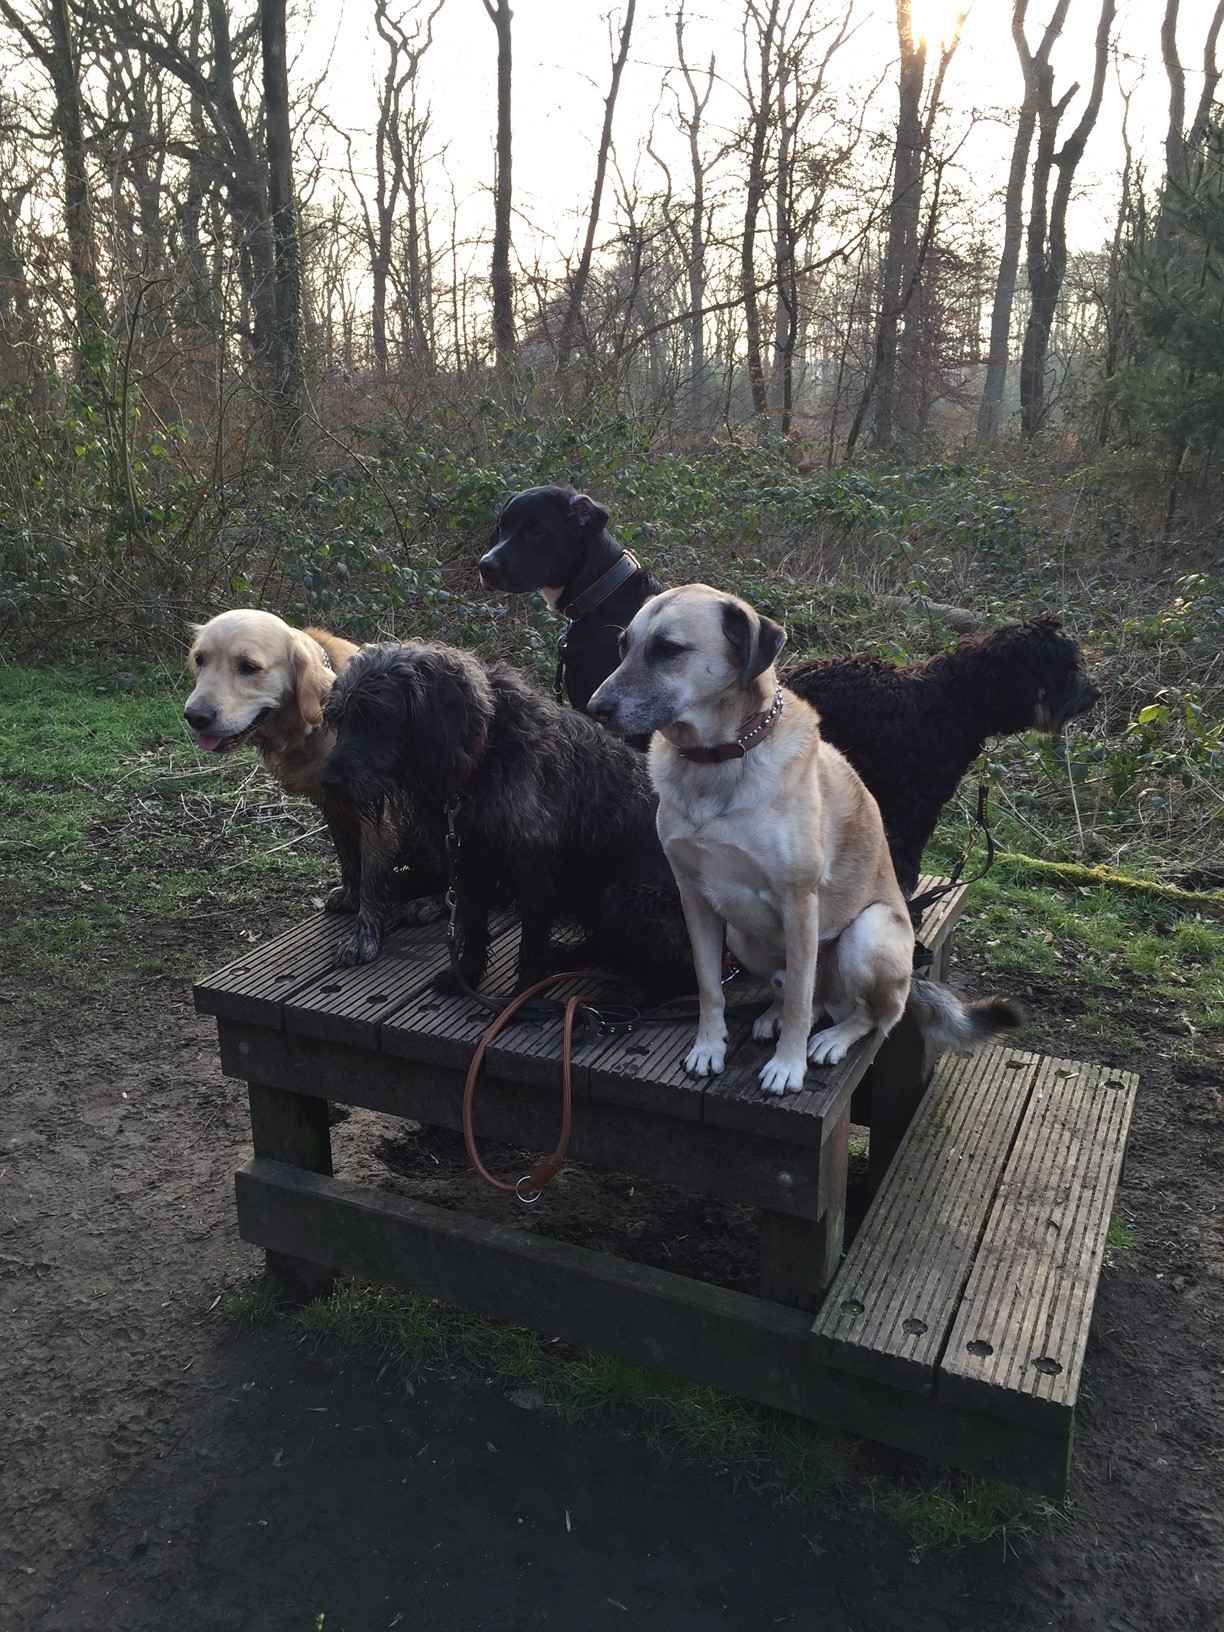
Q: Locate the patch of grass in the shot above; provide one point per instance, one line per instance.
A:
(1119, 1239)
(254, 1303)
(122, 847)
(1126, 955)
(765, 1451)
(962, 1512)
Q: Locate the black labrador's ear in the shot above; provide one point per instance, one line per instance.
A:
(755, 640)
(585, 513)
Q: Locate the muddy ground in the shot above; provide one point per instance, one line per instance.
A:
(163, 1468)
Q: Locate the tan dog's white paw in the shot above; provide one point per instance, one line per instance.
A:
(830, 1047)
(767, 1026)
(706, 1059)
(781, 1076)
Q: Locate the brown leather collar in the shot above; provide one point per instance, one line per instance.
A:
(753, 731)
(624, 567)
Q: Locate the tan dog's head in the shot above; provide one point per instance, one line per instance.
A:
(686, 649)
(251, 669)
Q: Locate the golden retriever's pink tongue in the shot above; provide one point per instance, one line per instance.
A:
(209, 744)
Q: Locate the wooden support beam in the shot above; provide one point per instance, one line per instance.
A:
(726, 1340)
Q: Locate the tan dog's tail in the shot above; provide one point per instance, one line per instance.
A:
(956, 1026)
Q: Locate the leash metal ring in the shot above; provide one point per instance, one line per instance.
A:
(527, 1201)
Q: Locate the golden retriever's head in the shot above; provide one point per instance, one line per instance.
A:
(254, 674)
(686, 649)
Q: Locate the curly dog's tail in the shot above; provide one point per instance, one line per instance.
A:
(956, 1026)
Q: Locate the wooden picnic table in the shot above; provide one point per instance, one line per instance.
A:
(302, 1033)
(954, 1326)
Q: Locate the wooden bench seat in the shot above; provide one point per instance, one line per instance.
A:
(972, 1279)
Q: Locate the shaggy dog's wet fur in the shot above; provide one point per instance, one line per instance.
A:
(554, 816)
(912, 730)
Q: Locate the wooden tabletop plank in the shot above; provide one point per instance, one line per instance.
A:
(253, 987)
(889, 1310)
(349, 1005)
(737, 1100)
(940, 917)
(1017, 1345)
(445, 1030)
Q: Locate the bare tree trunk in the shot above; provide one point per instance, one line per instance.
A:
(760, 103)
(573, 310)
(1032, 64)
(502, 286)
(690, 123)
(285, 349)
(397, 136)
(901, 250)
(1047, 235)
(1175, 136)
(59, 58)
(1211, 75)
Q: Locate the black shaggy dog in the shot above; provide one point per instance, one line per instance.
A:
(553, 816)
(912, 730)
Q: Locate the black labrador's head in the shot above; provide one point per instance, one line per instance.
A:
(541, 541)
(410, 722)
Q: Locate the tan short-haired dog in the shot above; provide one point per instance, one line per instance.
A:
(770, 832)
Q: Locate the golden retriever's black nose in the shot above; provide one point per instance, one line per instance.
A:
(199, 719)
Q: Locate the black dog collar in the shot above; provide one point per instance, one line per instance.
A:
(622, 568)
(753, 731)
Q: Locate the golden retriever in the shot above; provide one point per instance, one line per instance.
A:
(771, 833)
(258, 681)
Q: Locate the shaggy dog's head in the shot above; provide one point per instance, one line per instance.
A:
(251, 671)
(1031, 675)
(409, 720)
(541, 540)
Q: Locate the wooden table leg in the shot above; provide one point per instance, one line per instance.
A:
(293, 1128)
(900, 1073)
(799, 1256)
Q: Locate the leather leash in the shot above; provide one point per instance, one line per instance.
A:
(530, 1187)
(918, 904)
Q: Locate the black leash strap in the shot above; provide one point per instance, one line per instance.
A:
(919, 904)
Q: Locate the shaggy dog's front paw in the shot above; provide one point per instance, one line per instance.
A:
(361, 946)
(782, 1076)
(421, 909)
(706, 1058)
(344, 898)
(449, 984)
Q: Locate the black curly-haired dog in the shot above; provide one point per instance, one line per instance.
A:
(554, 816)
(912, 730)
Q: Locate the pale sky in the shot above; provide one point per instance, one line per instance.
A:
(562, 59)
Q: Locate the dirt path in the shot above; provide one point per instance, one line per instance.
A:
(163, 1470)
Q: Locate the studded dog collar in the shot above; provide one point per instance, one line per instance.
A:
(753, 731)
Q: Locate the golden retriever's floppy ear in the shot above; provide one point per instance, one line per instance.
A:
(312, 679)
(755, 640)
